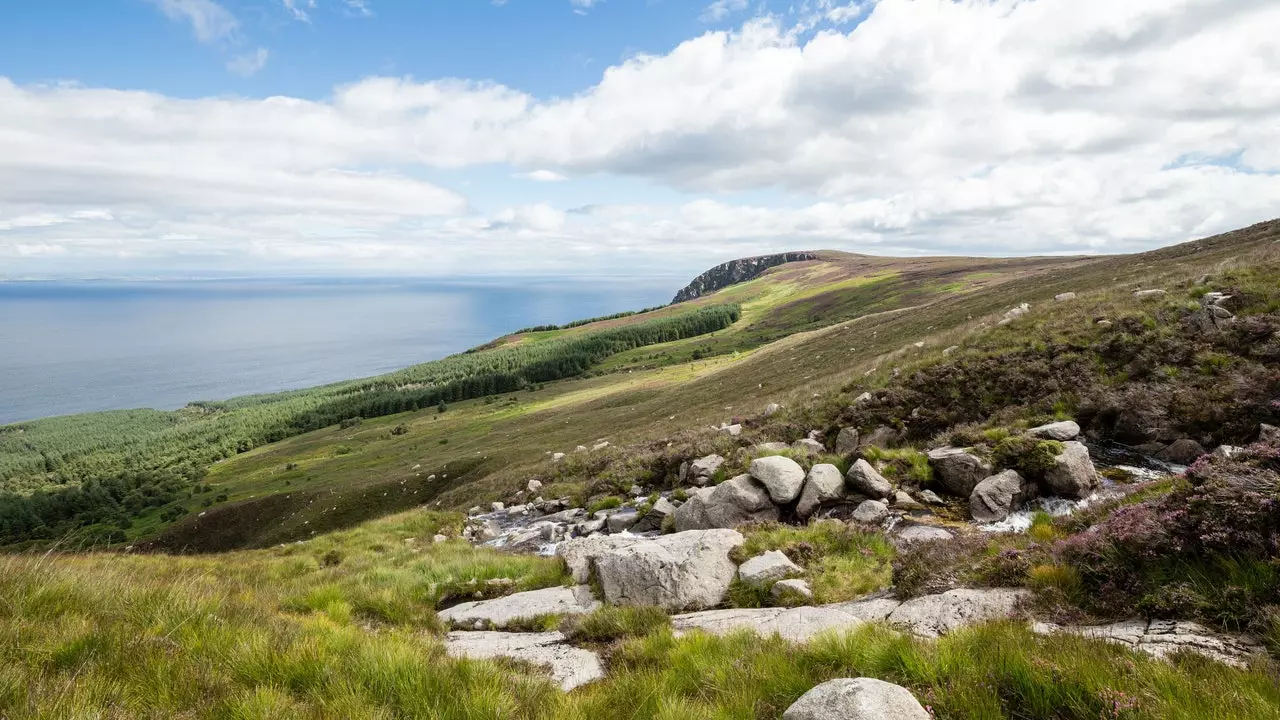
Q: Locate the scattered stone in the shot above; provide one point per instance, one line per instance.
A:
(1149, 294)
(917, 345)
(770, 447)
(771, 409)
(652, 520)
(439, 538)
(783, 476)
(1104, 323)
(501, 612)
(534, 486)
(808, 446)
(768, 567)
(731, 430)
(703, 469)
(921, 533)
(624, 520)
(685, 571)
(737, 501)
(847, 441)
(823, 484)
(497, 506)
(865, 480)
(1072, 474)
(600, 446)
(580, 449)
(588, 527)
(515, 510)
(1182, 452)
(557, 457)
(997, 496)
(865, 397)
(931, 498)
(564, 515)
(1226, 452)
(791, 592)
(932, 616)
(857, 699)
(903, 501)
(958, 470)
(474, 510)
(1060, 431)
(871, 512)
(947, 352)
(1014, 314)
(1064, 297)
(692, 515)
(799, 624)
(881, 437)
(570, 666)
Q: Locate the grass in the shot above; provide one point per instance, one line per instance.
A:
(840, 562)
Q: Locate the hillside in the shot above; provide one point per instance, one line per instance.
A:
(336, 571)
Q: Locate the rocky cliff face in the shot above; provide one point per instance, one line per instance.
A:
(736, 271)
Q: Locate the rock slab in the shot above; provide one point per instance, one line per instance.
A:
(933, 616)
(857, 699)
(570, 667)
(501, 612)
(685, 571)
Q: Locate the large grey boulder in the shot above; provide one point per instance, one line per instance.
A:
(703, 469)
(857, 699)
(958, 470)
(768, 567)
(501, 612)
(685, 571)
(625, 520)
(999, 495)
(1072, 474)
(871, 512)
(570, 667)
(1182, 452)
(579, 554)
(881, 437)
(692, 515)
(847, 441)
(823, 484)
(1149, 294)
(738, 501)
(1060, 431)
(656, 516)
(932, 616)
(864, 479)
(781, 475)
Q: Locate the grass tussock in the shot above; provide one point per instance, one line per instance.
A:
(841, 562)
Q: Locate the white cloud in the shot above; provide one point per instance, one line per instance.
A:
(249, 63)
(582, 6)
(543, 176)
(958, 126)
(299, 9)
(360, 7)
(209, 21)
(721, 9)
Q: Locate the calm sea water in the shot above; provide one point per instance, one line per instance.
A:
(84, 346)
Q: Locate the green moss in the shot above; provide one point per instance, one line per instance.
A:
(1032, 458)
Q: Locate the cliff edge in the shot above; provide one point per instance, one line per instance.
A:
(736, 271)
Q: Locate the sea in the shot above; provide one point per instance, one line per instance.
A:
(82, 346)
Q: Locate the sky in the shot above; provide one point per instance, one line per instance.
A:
(201, 138)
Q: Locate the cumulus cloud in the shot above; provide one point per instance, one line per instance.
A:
(979, 126)
(543, 176)
(248, 64)
(209, 21)
(721, 9)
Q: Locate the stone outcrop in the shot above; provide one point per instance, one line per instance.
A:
(958, 470)
(824, 483)
(736, 271)
(1072, 474)
(501, 612)
(782, 476)
(684, 571)
(937, 615)
(921, 533)
(998, 495)
(570, 667)
(857, 699)
(1162, 638)
(657, 515)
(847, 441)
(864, 479)
(1060, 431)
(579, 554)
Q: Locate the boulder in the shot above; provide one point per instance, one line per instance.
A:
(703, 469)
(791, 592)
(930, 497)
(534, 486)
(864, 479)
(958, 470)
(771, 409)
(1072, 474)
(782, 476)
(1181, 452)
(881, 437)
(1149, 294)
(685, 571)
(1064, 297)
(902, 500)
(1226, 452)
(1269, 434)
(570, 667)
(871, 512)
(501, 612)
(768, 567)
(737, 501)
(865, 397)
(625, 520)
(857, 699)
(770, 447)
(579, 554)
(847, 441)
(1060, 431)
(932, 616)
(998, 495)
(947, 352)
(657, 515)
(808, 446)
(823, 484)
(496, 506)
(692, 515)
(1014, 313)
(798, 624)
(921, 533)
(731, 430)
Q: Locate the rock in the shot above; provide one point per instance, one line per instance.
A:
(1269, 434)
(798, 624)
(579, 554)
(740, 500)
(1226, 452)
(1149, 294)
(958, 470)
(881, 437)
(534, 486)
(783, 477)
(557, 457)
(948, 351)
(768, 567)
(865, 397)
(1064, 297)
(652, 520)
(564, 515)
(1060, 431)
(930, 497)
(580, 449)
(1210, 319)
(692, 515)
(1014, 314)
(847, 441)
(857, 699)
(921, 533)
(791, 592)
(474, 510)
(624, 520)
(515, 510)
(570, 667)
(439, 538)
(497, 506)
(770, 447)
(501, 612)
(703, 469)
(823, 484)
(1162, 638)
(865, 480)
(600, 446)
(871, 512)
(1072, 474)
(808, 446)
(731, 430)
(1104, 323)
(771, 409)
(1181, 452)
(932, 616)
(551, 532)
(997, 496)
(588, 527)
(685, 571)
(903, 501)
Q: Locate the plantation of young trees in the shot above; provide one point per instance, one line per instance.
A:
(101, 469)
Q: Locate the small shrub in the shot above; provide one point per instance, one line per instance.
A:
(349, 423)
(401, 429)
(331, 558)
(343, 450)
(289, 467)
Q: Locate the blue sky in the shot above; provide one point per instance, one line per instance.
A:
(197, 137)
